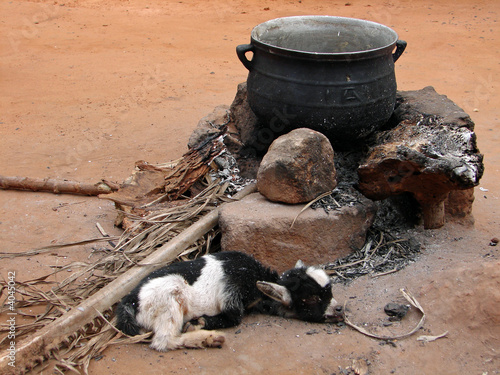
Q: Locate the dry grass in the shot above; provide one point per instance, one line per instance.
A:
(136, 243)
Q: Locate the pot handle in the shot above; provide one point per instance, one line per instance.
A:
(400, 48)
(241, 50)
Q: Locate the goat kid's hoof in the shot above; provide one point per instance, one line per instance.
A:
(214, 340)
(194, 325)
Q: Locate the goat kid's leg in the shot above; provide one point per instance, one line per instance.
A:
(167, 326)
(168, 335)
(226, 319)
(192, 340)
(202, 339)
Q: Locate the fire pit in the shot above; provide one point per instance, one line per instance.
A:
(421, 168)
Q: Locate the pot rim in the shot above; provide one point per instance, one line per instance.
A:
(385, 49)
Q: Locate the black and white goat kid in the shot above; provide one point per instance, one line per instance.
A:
(186, 302)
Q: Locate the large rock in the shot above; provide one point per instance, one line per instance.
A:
(412, 105)
(297, 168)
(429, 153)
(210, 125)
(245, 120)
(263, 228)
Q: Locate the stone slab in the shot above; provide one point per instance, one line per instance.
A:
(262, 228)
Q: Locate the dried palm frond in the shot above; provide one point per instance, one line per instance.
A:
(140, 240)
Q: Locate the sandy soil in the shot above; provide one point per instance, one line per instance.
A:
(89, 86)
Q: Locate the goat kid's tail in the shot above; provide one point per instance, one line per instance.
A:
(126, 320)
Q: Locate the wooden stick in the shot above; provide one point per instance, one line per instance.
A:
(56, 186)
(104, 234)
(50, 337)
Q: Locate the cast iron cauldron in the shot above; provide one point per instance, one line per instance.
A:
(331, 74)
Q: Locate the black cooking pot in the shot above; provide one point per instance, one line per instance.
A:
(331, 74)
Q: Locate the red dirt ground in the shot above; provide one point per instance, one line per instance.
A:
(88, 87)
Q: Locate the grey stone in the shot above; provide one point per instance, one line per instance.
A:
(430, 151)
(396, 310)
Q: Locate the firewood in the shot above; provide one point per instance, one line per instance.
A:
(149, 184)
(56, 186)
(155, 184)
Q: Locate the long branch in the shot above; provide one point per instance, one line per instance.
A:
(56, 186)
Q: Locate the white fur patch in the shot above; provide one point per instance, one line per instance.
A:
(319, 276)
(208, 292)
(166, 303)
(330, 310)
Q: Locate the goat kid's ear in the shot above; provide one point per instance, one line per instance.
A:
(275, 291)
(300, 264)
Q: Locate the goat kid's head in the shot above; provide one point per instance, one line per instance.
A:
(306, 293)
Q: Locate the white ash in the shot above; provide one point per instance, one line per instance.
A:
(228, 171)
(382, 253)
